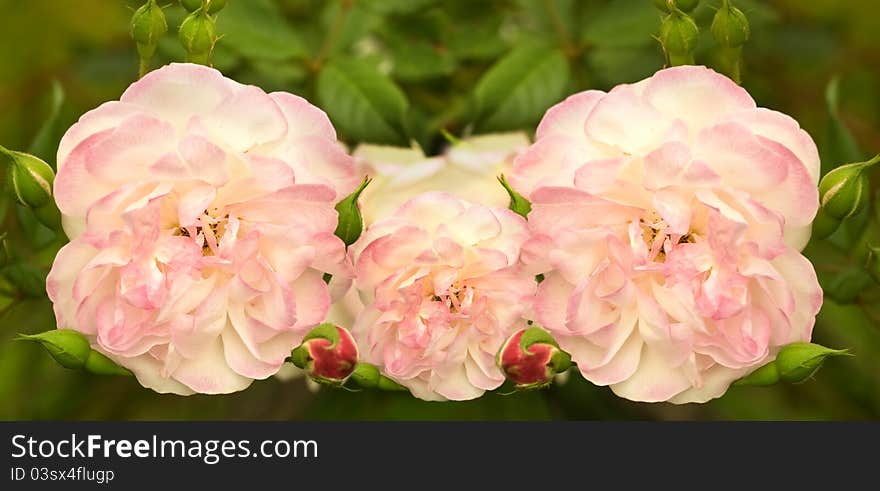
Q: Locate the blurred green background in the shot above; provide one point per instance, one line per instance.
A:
(419, 66)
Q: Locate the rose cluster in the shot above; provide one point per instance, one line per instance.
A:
(661, 249)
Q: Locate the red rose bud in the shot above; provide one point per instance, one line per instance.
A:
(328, 354)
(530, 358)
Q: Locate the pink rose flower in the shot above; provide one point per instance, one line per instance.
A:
(201, 218)
(443, 289)
(667, 217)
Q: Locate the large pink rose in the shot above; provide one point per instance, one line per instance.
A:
(667, 219)
(201, 217)
(443, 289)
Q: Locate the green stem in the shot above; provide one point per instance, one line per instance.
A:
(333, 35)
(143, 67)
(559, 27)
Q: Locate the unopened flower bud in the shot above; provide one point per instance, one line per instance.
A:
(797, 362)
(844, 191)
(147, 26)
(99, 364)
(351, 222)
(824, 225)
(69, 348)
(49, 215)
(518, 203)
(683, 5)
(328, 354)
(215, 6)
(191, 5)
(730, 27)
(198, 35)
(765, 375)
(367, 376)
(530, 358)
(678, 35)
(30, 179)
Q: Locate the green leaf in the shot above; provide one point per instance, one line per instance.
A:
(399, 7)
(839, 146)
(30, 280)
(623, 23)
(257, 30)
(415, 60)
(520, 87)
(47, 136)
(363, 104)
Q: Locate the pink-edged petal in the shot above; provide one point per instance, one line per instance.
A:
(696, 95)
(245, 119)
(210, 373)
(611, 121)
(654, 380)
(106, 116)
(179, 91)
(303, 119)
(781, 128)
(568, 117)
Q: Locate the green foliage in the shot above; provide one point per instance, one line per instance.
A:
(516, 91)
(363, 103)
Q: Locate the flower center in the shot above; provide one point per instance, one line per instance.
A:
(207, 232)
(456, 298)
(655, 236)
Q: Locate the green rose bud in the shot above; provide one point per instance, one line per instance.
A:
(351, 222)
(797, 362)
(730, 27)
(49, 215)
(99, 364)
(844, 191)
(198, 35)
(765, 375)
(191, 5)
(147, 26)
(824, 225)
(30, 179)
(69, 348)
(518, 203)
(683, 5)
(367, 376)
(678, 35)
(215, 6)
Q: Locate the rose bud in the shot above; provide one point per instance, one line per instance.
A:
(367, 376)
(730, 27)
(147, 26)
(69, 348)
(351, 222)
(843, 192)
(530, 358)
(198, 35)
(874, 262)
(678, 35)
(765, 375)
(797, 362)
(683, 5)
(328, 354)
(30, 179)
(824, 225)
